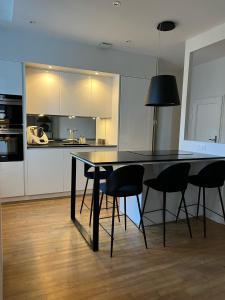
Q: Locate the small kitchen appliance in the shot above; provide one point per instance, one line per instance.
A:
(36, 135)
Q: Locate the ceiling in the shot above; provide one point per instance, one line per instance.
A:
(96, 21)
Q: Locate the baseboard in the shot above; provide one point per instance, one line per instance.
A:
(42, 196)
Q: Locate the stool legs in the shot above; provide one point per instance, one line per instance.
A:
(204, 218)
(199, 197)
(112, 229)
(221, 201)
(186, 212)
(178, 212)
(164, 219)
(142, 224)
(85, 190)
(125, 213)
(143, 209)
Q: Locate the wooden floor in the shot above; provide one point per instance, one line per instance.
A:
(46, 258)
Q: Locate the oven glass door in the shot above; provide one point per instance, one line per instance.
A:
(11, 147)
(11, 116)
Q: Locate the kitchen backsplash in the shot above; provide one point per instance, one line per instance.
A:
(57, 127)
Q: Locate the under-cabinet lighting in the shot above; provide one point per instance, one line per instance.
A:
(41, 115)
(50, 67)
(96, 73)
(71, 117)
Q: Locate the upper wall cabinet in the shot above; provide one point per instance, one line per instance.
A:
(42, 91)
(64, 93)
(101, 97)
(10, 78)
(75, 94)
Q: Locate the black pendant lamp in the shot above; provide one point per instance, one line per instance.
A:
(163, 88)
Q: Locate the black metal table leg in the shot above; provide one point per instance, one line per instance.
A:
(73, 188)
(96, 210)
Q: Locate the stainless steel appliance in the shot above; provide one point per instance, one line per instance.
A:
(11, 128)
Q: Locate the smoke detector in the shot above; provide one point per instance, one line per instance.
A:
(105, 45)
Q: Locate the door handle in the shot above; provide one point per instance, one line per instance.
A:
(214, 140)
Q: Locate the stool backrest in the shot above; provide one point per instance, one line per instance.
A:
(128, 175)
(213, 173)
(88, 167)
(175, 177)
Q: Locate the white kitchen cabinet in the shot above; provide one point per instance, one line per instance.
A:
(42, 91)
(11, 179)
(136, 120)
(101, 96)
(10, 78)
(75, 94)
(44, 171)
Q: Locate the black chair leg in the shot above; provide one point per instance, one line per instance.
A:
(117, 208)
(204, 218)
(143, 209)
(106, 201)
(199, 197)
(100, 205)
(164, 219)
(221, 201)
(92, 202)
(186, 212)
(112, 229)
(179, 208)
(85, 190)
(125, 213)
(142, 224)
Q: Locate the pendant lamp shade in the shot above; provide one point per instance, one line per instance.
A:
(163, 91)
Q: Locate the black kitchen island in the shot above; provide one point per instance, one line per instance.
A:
(105, 158)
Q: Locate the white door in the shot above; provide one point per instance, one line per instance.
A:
(136, 120)
(206, 123)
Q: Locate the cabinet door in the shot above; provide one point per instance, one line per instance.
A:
(11, 179)
(42, 91)
(10, 78)
(44, 171)
(101, 97)
(136, 120)
(75, 93)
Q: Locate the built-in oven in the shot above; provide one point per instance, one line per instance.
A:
(11, 128)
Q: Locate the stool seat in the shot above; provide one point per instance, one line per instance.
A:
(206, 182)
(168, 187)
(124, 191)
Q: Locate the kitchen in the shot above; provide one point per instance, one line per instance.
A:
(66, 105)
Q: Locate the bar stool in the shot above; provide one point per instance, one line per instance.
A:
(107, 170)
(211, 176)
(124, 182)
(171, 180)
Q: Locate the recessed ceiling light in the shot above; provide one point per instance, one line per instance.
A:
(32, 22)
(116, 3)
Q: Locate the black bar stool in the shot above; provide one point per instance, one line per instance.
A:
(124, 182)
(211, 176)
(171, 180)
(107, 170)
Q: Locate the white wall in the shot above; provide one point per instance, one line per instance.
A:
(26, 46)
(214, 35)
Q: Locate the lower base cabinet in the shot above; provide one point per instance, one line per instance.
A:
(49, 170)
(44, 171)
(11, 179)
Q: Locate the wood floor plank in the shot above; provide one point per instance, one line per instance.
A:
(45, 258)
